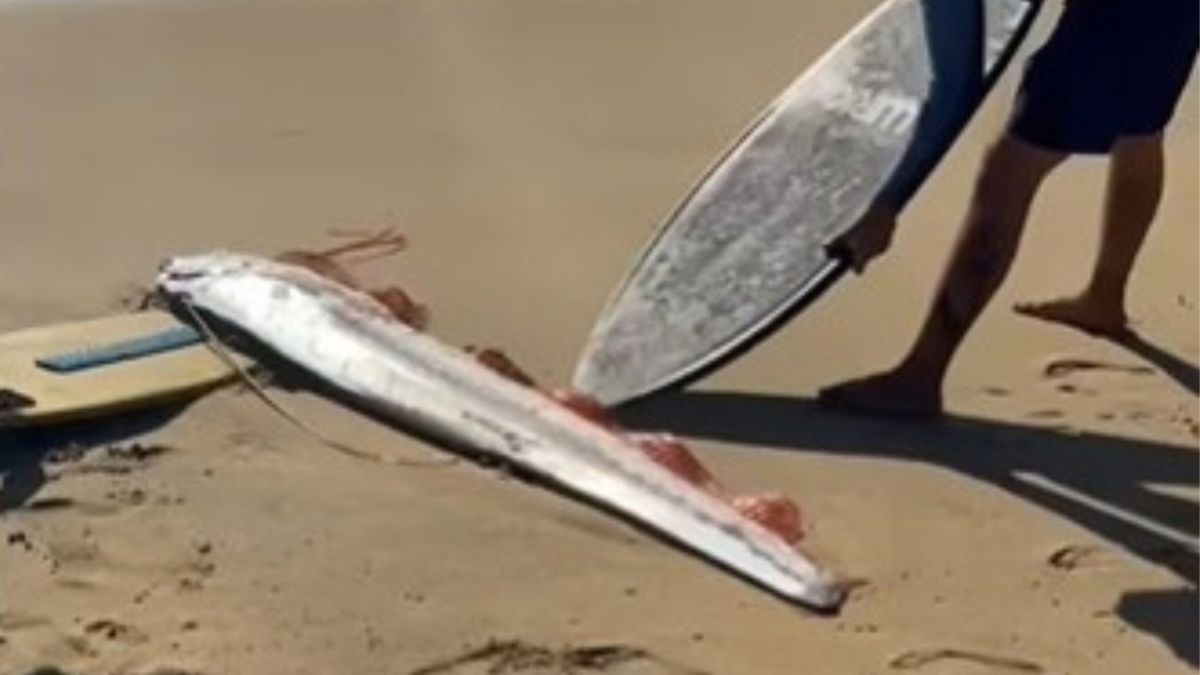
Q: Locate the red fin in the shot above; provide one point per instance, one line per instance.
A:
(583, 405)
(671, 453)
(499, 362)
(775, 512)
(402, 306)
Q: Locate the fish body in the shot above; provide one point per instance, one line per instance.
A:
(349, 340)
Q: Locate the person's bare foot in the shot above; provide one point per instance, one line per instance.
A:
(1082, 313)
(892, 393)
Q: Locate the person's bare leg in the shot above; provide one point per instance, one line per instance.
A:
(1135, 186)
(1011, 174)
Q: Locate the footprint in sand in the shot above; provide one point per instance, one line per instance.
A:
(83, 561)
(49, 504)
(75, 506)
(136, 452)
(115, 460)
(1062, 366)
(112, 630)
(153, 670)
(20, 539)
(919, 659)
(1184, 418)
(514, 657)
(1075, 556)
(1072, 389)
(32, 634)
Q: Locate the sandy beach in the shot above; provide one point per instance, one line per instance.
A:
(528, 148)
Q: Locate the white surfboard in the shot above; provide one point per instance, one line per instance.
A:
(747, 248)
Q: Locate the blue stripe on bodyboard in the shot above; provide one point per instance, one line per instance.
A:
(166, 340)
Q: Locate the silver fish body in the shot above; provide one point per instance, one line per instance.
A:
(348, 340)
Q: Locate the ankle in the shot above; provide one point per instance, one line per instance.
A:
(1104, 295)
(921, 371)
(1108, 281)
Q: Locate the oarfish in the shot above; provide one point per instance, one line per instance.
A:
(350, 341)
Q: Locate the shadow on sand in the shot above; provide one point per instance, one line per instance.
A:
(1098, 481)
(25, 452)
(1184, 373)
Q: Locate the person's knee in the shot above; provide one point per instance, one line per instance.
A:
(998, 180)
(1152, 140)
(1011, 172)
(1139, 147)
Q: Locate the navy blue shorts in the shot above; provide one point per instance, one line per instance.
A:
(1110, 68)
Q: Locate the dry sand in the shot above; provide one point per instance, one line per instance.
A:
(528, 147)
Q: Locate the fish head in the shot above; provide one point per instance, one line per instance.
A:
(185, 275)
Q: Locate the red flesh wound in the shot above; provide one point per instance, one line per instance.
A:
(583, 405)
(402, 306)
(775, 512)
(669, 452)
(499, 362)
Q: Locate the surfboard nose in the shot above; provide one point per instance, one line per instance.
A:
(589, 378)
(623, 361)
